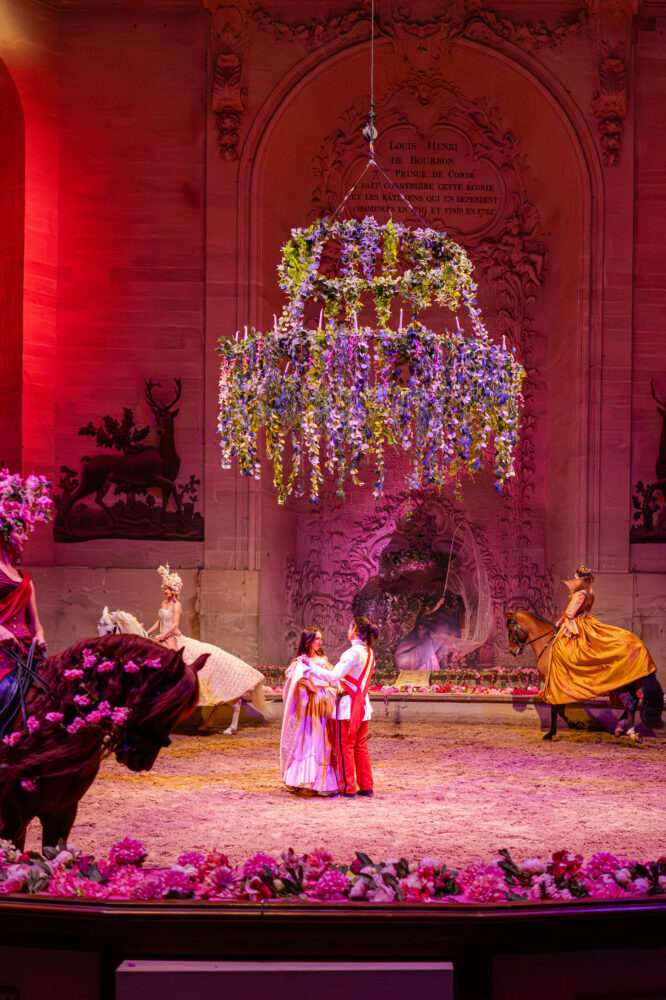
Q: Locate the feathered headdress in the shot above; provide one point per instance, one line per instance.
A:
(23, 502)
(170, 581)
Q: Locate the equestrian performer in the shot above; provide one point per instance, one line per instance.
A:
(350, 719)
(23, 504)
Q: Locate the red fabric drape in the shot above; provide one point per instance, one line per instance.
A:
(16, 600)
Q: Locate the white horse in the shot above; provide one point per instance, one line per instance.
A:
(114, 622)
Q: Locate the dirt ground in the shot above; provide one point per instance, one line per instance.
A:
(458, 792)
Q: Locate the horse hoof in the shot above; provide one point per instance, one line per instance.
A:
(634, 736)
(548, 736)
(228, 732)
(620, 729)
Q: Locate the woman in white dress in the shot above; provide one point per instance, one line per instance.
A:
(225, 679)
(307, 754)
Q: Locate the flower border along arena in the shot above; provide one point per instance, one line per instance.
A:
(64, 872)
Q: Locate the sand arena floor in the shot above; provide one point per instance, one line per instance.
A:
(458, 792)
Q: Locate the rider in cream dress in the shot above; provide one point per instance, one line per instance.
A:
(225, 678)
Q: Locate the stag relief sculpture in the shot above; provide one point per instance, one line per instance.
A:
(660, 466)
(154, 467)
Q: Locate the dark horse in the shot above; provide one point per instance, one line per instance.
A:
(126, 692)
(525, 628)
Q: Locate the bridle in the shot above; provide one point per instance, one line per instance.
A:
(115, 627)
(523, 639)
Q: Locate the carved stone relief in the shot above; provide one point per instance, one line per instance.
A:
(338, 553)
(422, 30)
(613, 23)
(230, 35)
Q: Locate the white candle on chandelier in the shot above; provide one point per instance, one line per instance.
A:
(236, 337)
(356, 322)
(503, 342)
(275, 324)
(244, 332)
(458, 327)
(321, 317)
(400, 323)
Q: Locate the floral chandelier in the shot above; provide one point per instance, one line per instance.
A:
(334, 393)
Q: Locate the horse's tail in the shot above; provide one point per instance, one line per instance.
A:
(258, 700)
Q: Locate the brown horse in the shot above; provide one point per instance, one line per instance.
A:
(524, 628)
(121, 694)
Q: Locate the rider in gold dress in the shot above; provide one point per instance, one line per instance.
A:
(589, 658)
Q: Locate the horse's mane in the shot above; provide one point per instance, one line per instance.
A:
(533, 614)
(129, 623)
(155, 698)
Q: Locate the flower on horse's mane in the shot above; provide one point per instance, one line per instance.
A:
(32, 724)
(54, 716)
(76, 724)
(127, 852)
(154, 664)
(89, 659)
(105, 667)
(131, 667)
(81, 699)
(28, 785)
(73, 674)
(119, 715)
(11, 739)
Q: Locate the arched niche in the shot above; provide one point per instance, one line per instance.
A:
(539, 523)
(12, 214)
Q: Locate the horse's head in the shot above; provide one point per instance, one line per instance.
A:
(106, 624)
(518, 637)
(155, 715)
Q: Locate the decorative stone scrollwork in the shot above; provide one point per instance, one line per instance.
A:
(230, 35)
(613, 19)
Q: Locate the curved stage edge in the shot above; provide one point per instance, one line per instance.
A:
(471, 936)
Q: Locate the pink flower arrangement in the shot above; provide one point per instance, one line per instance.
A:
(54, 716)
(11, 739)
(154, 664)
(127, 852)
(73, 674)
(105, 667)
(131, 667)
(331, 885)
(75, 725)
(315, 877)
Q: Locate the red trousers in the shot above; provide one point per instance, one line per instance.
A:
(353, 756)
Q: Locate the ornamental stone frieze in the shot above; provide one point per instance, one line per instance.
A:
(420, 31)
(613, 28)
(229, 37)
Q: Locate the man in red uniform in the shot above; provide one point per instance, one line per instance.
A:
(350, 719)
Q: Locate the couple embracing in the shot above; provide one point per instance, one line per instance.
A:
(324, 743)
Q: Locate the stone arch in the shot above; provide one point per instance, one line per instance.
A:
(12, 213)
(581, 352)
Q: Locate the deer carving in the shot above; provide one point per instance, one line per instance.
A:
(660, 467)
(154, 467)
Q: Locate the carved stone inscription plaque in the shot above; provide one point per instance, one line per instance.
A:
(439, 174)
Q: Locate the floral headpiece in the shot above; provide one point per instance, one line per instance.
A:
(170, 581)
(23, 502)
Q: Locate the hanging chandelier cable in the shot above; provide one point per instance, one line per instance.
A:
(370, 135)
